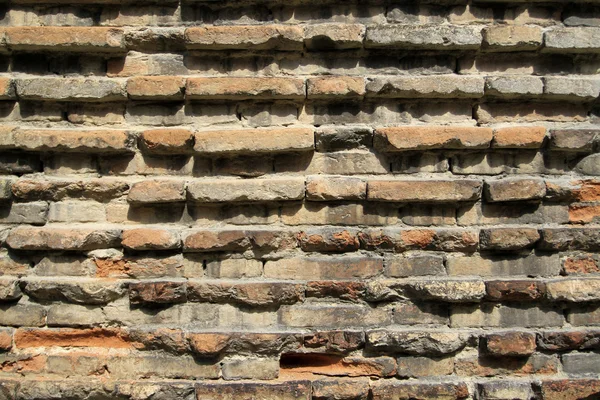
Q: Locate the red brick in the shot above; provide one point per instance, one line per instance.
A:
(519, 137)
(570, 389)
(157, 293)
(510, 344)
(66, 337)
(515, 290)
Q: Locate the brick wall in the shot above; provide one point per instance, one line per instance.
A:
(299, 200)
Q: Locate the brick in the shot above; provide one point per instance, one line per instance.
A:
(335, 87)
(347, 267)
(67, 337)
(539, 364)
(155, 88)
(583, 213)
(324, 364)
(288, 390)
(74, 291)
(7, 89)
(156, 293)
(312, 213)
(453, 291)
(433, 191)
(156, 191)
(234, 268)
(514, 86)
(581, 363)
(431, 137)
(252, 141)
(574, 290)
(255, 190)
(580, 140)
(514, 189)
(569, 88)
(150, 239)
(335, 188)
(259, 37)
(332, 138)
(569, 238)
(182, 367)
(414, 264)
(347, 389)
(519, 137)
(54, 38)
(336, 316)
(9, 289)
(101, 190)
(167, 141)
(491, 315)
(507, 239)
(563, 389)
(328, 240)
(512, 38)
(345, 290)
(515, 290)
(319, 37)
(417, 367)
(415, 342)
(245, 88)
(70, 89)
(23, 315)
(580, 264)
(439, 86)
(572, 40)
(425, 37)
(410, 390)
(249, 294)
(498, 390)
(335, 341)
(419, 239)
(53, 238)
(589, 165)
(73, 141)
(568, 340)
(250, 368)
(511, 344)
(215, 241)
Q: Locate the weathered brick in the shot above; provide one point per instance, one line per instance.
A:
(250, 294)
(7, 89)
(519, 137)
(415, 342)
(155, 88)
(67, 38)
(70, 140)
(54, 238)
(428, 37)
(259, 37)
(417, 367)
(414, 264)
(167, 141)
(512, 38)
(504, 239)
(245, 88)
(514, 189)
(335, 87)
(492, 315)
(347, 267)
(234, 268)
(332, 138)
(337, 316)
(181, 367)
(67, 337)
(568, 88)
(538, 364)
(574, 290)
(512, 344)
(328, 240)
(251, 141)
(515, 290)
(255, 190)
(563, 389)
(335, 188)
(569, 238)
(431, 137)
(23, 315)
(498, 390)
(569, 340)
(321, 37)
(250, 368)
(572, 40)
(156, 191)
(324, 389)
(333, 365)
(454, 291)
(71, 89)
(439, 86)
(434, 191)
(288, 390)
(573, 139)
(216, 241)
(150, 239)
(509, 86)
(156, 293)
(409, 390)
(9, 289)
(581, 363)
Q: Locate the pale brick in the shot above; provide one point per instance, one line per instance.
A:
(575, 40)
(424, 37)
(52, 238)
(335, 188)
(71, 89)
(245, 88)
(67, 38)
(259, 37)
(155, 88)
(512, 38)
(438, 86)
(255, 190)
(71, 140)
(333, 36)
(434, 191)
(431, 137)
(275, 140)
(572, 88)
(156, 191)
(514, 86)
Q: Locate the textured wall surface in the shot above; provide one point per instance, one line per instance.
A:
(312, 200)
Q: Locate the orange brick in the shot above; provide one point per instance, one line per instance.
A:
(519, 137)
(167, 140)
(253, 141)
(65, 337)
(335, 86)
(255, 37)
(431, 137)
(245, 88)
(67, 38)
(156, 87)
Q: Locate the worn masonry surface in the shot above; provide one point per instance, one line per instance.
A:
(295, 200)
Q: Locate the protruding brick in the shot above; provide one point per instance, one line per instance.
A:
(335, 87)
(7, 89)
(150, 239)
(519, 137)
(67, 38)
(431, 137)
(245, 88)
(71, 89)
(416, 342)
(580, 140)
(216, 241)
(570, 239)
(73, 141)
(515, 290)
(167, 141)
(255, 37)
(427, 37)
(390, 389)
(155, 293)
(511, 344)
(574, 290)
(572, 40)
(348, 267)
(436, 86)
(254, 190)
(515, 189)
(67, 337)
(512, 38)
(155, 88)
(157, 191)
(321, 37)
(335, 188)
(508, 238)
(328, 240)
(567, 389)
(53, 238)
(431, 191)
(252, 141)
(249, 294)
